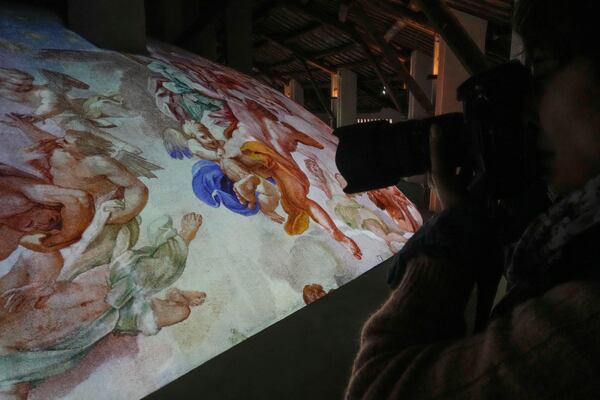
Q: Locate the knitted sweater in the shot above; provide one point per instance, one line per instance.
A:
(413, 347)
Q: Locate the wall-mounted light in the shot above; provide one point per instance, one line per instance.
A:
(436, 55)
(287, 90)
(335, 86)
(383, 91)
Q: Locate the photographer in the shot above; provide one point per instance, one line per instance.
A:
(543, 339)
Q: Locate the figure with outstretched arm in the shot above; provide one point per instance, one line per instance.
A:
(294, 186)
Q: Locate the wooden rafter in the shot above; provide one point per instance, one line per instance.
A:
(298, 33)
(317, 54)
(264, 11)
(382, 78)
(322, 101)
(331, 22)
(397, 11)
(273, 78)
(393, 60)
(453, 33)
(299, 54)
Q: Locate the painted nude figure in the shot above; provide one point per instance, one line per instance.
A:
(43, 219)
(119, 297)
(37, 215)
(78, 161)
(248, 118)
(398, 207)
(249, 188)
(262, 162)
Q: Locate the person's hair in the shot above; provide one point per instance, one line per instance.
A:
(568, 29)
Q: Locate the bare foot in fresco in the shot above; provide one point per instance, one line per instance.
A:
(189, 297)
(313, 292)
(190, 223)
(356, 251)
(194, 298)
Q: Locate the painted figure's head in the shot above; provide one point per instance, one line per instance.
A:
(201, 133)
(38, 219)
(314, 168)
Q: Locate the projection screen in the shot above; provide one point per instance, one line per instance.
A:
(157, 210)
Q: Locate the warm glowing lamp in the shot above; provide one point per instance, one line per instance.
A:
(335, 86)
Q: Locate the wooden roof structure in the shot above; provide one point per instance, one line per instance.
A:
(308, 40)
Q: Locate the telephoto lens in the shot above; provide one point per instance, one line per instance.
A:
(378, 154)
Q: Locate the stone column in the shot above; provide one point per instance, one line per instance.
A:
(421, 66)
(517, 50)
(451, 72)
(293, 89)
(346, 102)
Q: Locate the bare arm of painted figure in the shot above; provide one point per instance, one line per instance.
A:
(203, 153)
(135, 193)
(96, 226)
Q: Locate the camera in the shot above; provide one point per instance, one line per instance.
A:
(492, 141)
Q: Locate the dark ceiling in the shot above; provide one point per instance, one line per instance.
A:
(309, 39)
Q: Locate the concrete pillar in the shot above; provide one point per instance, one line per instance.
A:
(451, 73)
(293, 89)
(239, 35)
(346, 102)
(110, 24)
(517, 50)
(421, 66)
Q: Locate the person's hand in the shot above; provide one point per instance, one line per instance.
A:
(444, 169)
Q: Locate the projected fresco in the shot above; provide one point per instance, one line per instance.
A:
(157, 210)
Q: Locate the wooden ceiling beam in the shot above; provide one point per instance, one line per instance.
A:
(283, 62)
(297, 53)
(342, 28)
(264, 11)
(273, 78)
(393, 60)
(331, 51)
(298, 33)
(391, 93)
(322, 101)
(317, 54)
(453, 33)
(412, 18)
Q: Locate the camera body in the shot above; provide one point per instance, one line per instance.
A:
(492, 140)
(495, 150)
